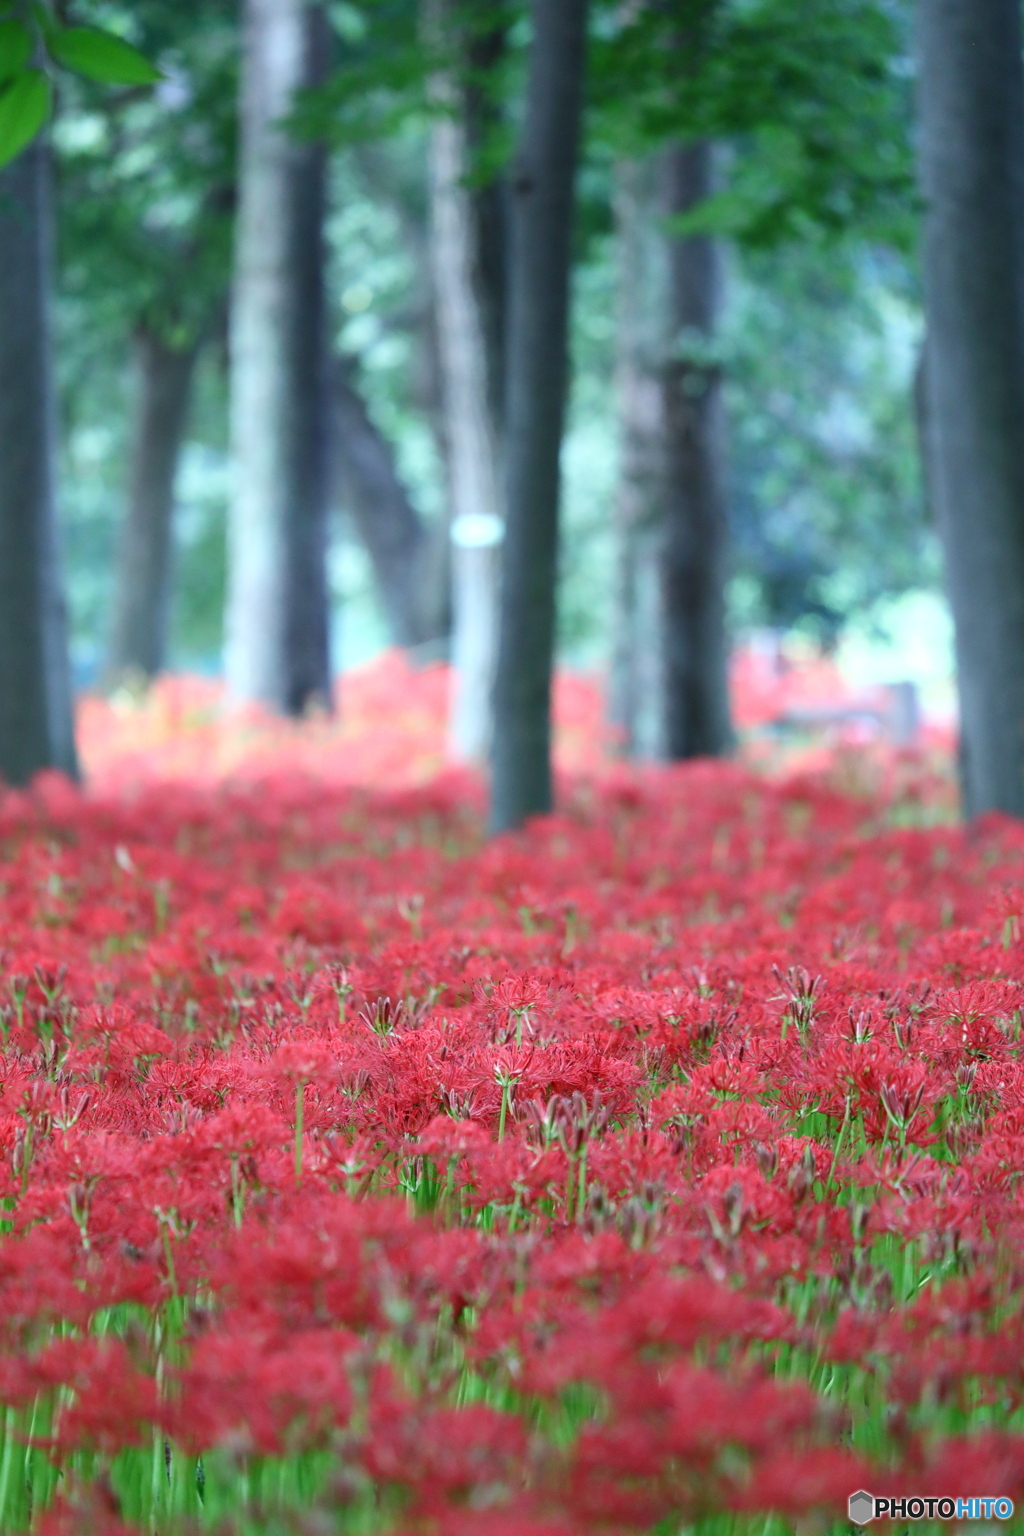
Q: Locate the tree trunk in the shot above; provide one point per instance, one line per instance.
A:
(489, 212)
(972, 166)
(923, 428)
(694, 551)
(276, 649)
(433, 564)
(142, 595)
(537, 358)
(472, 467)
(36, 725)
(635, 691)
(369, 488)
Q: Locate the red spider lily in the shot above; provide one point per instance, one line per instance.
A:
(255, 1388)
(518, 1181)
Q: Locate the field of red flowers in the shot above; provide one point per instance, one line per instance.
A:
(656, 1169)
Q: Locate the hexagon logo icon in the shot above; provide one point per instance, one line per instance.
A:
(861, 1507)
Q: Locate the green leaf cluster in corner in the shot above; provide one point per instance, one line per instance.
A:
(31, 44)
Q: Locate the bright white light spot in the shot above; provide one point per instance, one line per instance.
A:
(357, 298)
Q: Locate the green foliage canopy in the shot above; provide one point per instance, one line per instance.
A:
(813, 100)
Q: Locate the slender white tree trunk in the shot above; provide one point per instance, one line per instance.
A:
(276, 620)
(635, 683)
(472, 459)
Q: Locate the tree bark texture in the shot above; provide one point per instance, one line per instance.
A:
(537, 366)
(695, 543)
(489, 210)
(277, 650)
(434, 562)
(636, 690)
(369, 488)
(923, 428)
(142, 594)
(472, 461)
(972, 167)
(36, 724)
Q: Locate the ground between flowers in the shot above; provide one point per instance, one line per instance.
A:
(655, 1169)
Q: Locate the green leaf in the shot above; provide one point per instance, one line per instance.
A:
(24, 108)
(101, 56)
(15, 48)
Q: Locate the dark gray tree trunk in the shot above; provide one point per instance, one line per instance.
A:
(537, 366)
(142, 595)
(36, 724)
(277, 649)
(972, 165)
(369, 488)
(695, 538)
(922, 425)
